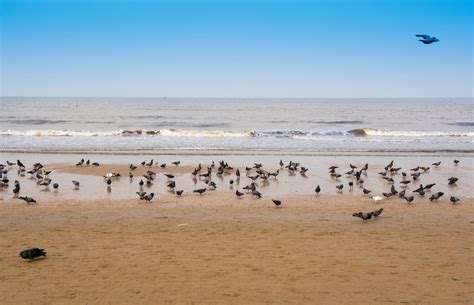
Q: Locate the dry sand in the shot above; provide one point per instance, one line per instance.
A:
(215, 249)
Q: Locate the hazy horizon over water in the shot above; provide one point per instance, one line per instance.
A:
(38, 124)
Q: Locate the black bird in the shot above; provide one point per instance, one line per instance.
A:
(141, 183)
(238, 194)
(351, 185)
(456, 162)
(427, 39)
(340, 187)
(88, 162)
(454, 200)
(149, 197)
(96, 164)
(436, 163)
(163, 165)
(132, 167)
(80, 163)
(393, 190)
(27, 199)
(16, 191)
(429, 186)
(200, 191)
(180, 192)
(169, 176)
(237, 173)
(171, 185)
(256, 193)
(76, 183)
(377, 213)
(130, 175)
(409, 199)
(32, 253)
(141, 195)
(55, 186)
(452, 180)
(318, 189)
(388, 195)
(18, 162)
(366, 191)
(176, 163)
(276, 202)
(363, 216)
(150, 163)
(402, 194)
(281, 163)
(143, 163)
(436, 196)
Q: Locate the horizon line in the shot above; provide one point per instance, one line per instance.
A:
(229, 97)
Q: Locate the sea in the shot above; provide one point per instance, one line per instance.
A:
(290, 125)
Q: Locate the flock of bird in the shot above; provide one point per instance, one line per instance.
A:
(255, 174)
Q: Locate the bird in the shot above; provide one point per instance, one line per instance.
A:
(456, 162)
(388, 194)
(176, 163)
(180, 192)
(237, 173)
(32, 253)
(393, 190)
(436, 196)
(351, 185)
(132, 167)
(452, 180)
(169, 176)
(427, 39)
(149, 197)
(141, 183)
(429, 186)
(76, 183)
(276, 202)
(436, 163)
(238, 194)
(318, 189)
(171, 185)
(454, 200)
(55, 186)
(409, 199)
(21, 165)
(256, 193)
(366, 191)
(200, 191)
(80, 163)
(401, 194)
(27, 199)
(340, 187)
(141, 194)
(363, 216)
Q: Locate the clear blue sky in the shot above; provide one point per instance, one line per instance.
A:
(319, 48)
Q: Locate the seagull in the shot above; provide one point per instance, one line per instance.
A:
(32, 253)
(427, 39)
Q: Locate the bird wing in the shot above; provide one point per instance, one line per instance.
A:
(423, 36)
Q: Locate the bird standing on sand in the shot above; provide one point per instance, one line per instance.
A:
(149, 197)
(317, 190)
(454, 200)
(200, 191)
(409, 199)
(32, 253)
(436, 196)
(276, 202)
(27, 199)
(176, 163)
(340, 187)
(456, 162)
(76, 184)
(452, 180)
(363, 216)
(238, 194)
(180, 192)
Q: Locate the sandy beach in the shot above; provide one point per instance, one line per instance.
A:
(215, 248)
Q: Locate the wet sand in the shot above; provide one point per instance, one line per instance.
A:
(106, 248)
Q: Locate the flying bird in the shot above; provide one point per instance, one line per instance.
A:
(427, 39)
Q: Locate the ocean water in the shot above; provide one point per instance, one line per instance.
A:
(36, 124)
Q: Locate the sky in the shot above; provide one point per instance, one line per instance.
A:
(261, 48)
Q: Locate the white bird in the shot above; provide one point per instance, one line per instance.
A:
(376, 198)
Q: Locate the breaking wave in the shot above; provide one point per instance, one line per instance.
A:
(297, 134)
